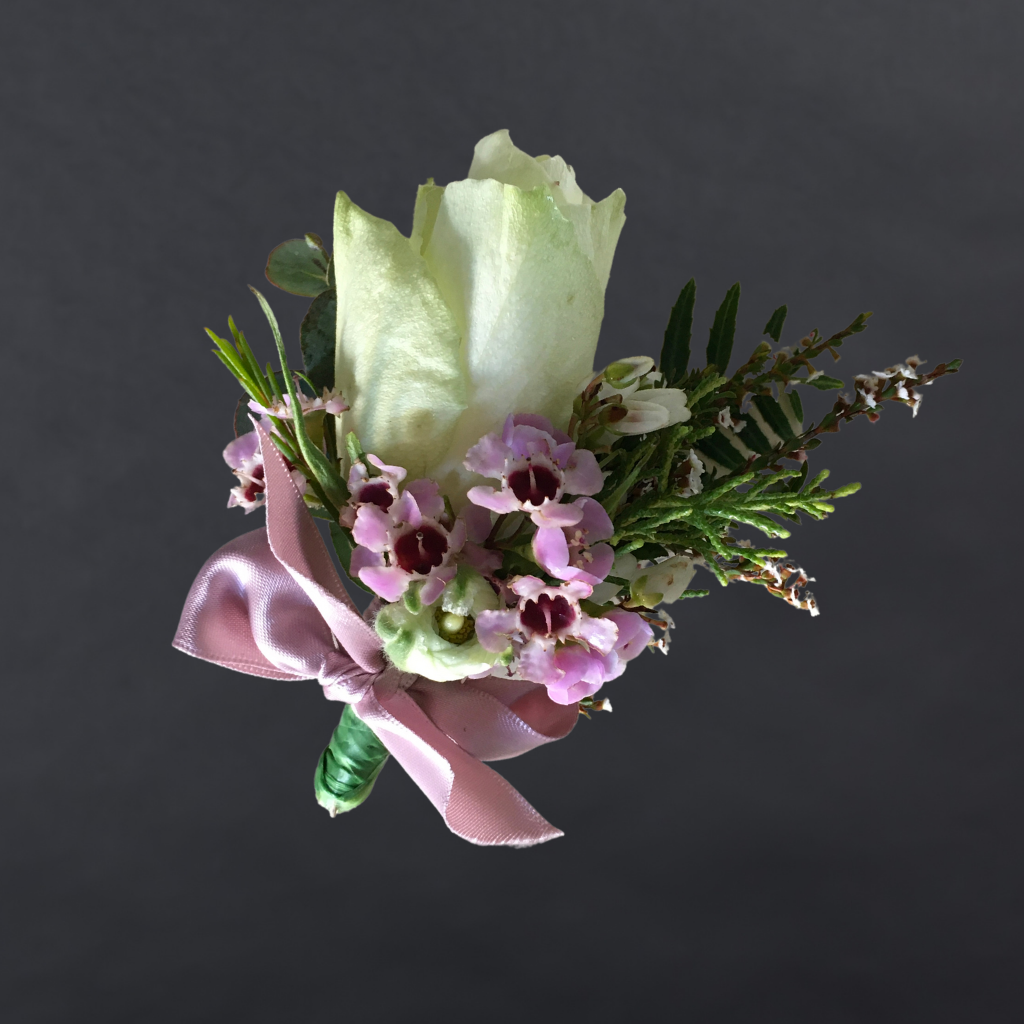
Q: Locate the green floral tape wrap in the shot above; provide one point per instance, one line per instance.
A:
(349, 766)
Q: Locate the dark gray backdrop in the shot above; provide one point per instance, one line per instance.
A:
(787, 820)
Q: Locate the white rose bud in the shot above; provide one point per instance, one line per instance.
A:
(492, 307)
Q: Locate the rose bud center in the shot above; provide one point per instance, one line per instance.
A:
(376, 494)
(421, 550)
(532, 484)
(547, 615)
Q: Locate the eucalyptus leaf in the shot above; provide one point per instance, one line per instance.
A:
(349, 765)
(723, 330)
(299, 266)
(675, 350)
(317, 336)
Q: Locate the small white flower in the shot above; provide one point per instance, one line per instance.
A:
(693, 483)
(868, 386)
(726, 422)
(648, 407)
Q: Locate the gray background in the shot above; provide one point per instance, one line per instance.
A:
(787, 820)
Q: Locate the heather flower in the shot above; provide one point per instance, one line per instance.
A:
(574, 552)
(537, 465)
(406, 543)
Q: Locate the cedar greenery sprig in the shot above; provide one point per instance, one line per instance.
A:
(741, 427)
(290, 436)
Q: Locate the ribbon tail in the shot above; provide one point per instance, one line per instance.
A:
(476, 803)
(296, 543)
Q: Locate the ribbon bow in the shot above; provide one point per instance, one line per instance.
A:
(270, 603)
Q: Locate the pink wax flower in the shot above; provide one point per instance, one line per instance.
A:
(246, 461)
(381, 490)
(573, 552)
(556, 642)
(330, 402)
(406, 542)
(478, 529)
(536, 465)
(583, 673)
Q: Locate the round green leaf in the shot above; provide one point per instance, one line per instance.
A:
(299, 266)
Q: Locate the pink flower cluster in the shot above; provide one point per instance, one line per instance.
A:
(405, 536)
(558, 644)
(402, 536)
(555, 642)
(245, 460)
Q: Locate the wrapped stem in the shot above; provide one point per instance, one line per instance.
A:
(349, 766)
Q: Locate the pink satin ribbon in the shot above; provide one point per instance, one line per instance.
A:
(270, 603)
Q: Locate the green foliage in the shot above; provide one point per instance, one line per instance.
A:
(349, 765)
(299, 266)
(324, 475)
(723, 330)
(742, 428)
(774, 326)
(675, 350)
(317, 339)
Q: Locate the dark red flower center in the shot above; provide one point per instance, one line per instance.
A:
(257, 486)
(376, 494)
(420, 550)
(547, 615)
(532, 484)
